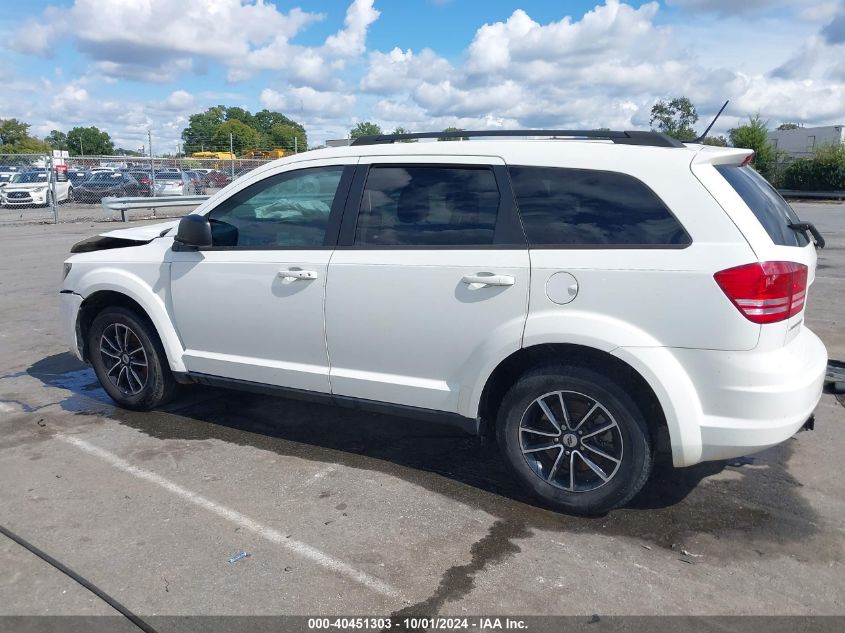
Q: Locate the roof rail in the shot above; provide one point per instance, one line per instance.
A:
(631, 137)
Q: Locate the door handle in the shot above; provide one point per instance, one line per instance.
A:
(298, 274)
(485, 279)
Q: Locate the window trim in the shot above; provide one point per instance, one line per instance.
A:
(507, 235)
(335, 213)
(605, 247)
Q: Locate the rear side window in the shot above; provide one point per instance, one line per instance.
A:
(771, 210)
(428, 206)
(590, 208)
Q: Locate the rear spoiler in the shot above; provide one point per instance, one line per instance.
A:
(714, 155)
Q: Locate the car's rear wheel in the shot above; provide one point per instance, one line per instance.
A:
(575, 439)
(129, 359)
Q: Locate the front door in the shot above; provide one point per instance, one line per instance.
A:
(428, 283)
(251, 306)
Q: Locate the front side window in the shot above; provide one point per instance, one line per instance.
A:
(428, 206)
(591, 208)
(289, 210)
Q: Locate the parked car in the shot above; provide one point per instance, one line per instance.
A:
(173, 184)
(145, 182)
(590, 304)
(32, 188)
(78, 176)
(216, 179)
(197, 180)
(103, 184)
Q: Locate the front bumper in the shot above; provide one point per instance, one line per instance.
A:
(30, 199)
(70, 303)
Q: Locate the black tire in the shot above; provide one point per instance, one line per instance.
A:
(560, 476)
(127, 383)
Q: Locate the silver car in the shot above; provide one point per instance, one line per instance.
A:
(173, 184)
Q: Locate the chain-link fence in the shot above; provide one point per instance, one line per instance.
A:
(43, 188)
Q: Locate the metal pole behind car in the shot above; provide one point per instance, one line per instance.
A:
(152, 163)
(232, 155)
(51, 185)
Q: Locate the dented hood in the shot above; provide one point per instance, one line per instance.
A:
(144, 233)
(122, 238)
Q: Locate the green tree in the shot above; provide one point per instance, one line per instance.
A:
(13, 132)
(243, 137)
(264, 121)
(824, 170)
(89, 141)
(365, 128)
(452, 138)
(787, 126)
(201, 128)
(56, 139)
(675, 118)
(239, 114)
(402, 130)
(719, 141)
(754, 135)
(288, 136)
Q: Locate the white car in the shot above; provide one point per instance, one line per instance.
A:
(31, 188)
(170, 183)
(592, 302)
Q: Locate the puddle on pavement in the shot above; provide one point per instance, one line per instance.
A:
(750, 507)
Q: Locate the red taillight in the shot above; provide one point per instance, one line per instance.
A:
(765, 292)
(747, 160)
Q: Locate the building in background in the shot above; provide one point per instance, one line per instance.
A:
(800, 142)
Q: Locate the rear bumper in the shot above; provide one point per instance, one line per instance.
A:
(69, 306)
(752, 401)
(720, 405)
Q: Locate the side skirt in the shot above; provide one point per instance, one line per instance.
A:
(468, 425)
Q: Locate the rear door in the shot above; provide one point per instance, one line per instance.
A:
(428, 283)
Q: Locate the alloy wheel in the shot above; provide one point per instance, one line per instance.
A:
(124, 359)
(571, 441)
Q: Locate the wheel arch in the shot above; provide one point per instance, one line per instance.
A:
(509, 370)
(151, 308)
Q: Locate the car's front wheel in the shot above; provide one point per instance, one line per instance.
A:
(575, 439)
(129, 359)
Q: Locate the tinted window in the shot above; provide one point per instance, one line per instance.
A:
(428, 206)
(287, 210)
(772, 211)
(581, 207)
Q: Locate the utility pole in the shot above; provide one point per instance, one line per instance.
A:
(232, 154)
(295, 144)
(51, 183)
(152, 162)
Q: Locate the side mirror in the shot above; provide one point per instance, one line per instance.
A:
(194, 231)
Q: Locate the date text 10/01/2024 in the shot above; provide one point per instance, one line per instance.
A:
(418, 623)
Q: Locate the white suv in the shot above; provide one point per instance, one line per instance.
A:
(593, 301)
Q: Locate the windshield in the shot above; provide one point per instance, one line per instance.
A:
(30, 176)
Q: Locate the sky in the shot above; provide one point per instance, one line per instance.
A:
(136, 66)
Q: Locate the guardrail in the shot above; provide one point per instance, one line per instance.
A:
(815, 195)
(153, 202)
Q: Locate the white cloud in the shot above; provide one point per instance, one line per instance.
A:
(400, 70)
(308, 101)
(605, 68)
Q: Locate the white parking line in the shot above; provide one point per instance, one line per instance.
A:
(303, 549)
